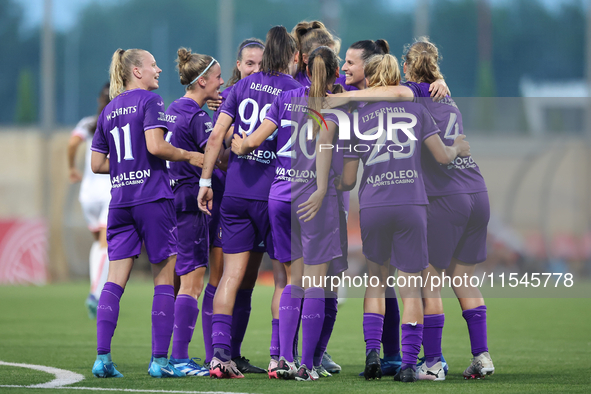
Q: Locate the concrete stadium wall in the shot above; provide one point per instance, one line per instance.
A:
(535, 185)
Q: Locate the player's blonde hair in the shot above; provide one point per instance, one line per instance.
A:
(122, 63)
(422, 61)
(311, 35)
(382, 70)
(191, 65)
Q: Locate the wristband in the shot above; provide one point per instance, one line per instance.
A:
(205, 182)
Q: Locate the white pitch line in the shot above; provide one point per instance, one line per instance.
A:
(64, 377)
(128, 390)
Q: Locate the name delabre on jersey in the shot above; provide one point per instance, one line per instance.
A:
(259, 87)
(130, 178)
(122, 111)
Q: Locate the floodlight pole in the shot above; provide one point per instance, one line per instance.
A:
(47, 70)
(226, 37)
(587, 196)
(421, 27)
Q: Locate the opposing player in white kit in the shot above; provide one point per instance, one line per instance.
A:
(95, 194)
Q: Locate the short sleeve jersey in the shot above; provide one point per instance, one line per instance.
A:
(392, 173)
(463, 174)
(137, 176)
(295, 172)
(189, 128)
(94, 187)
(250, 176)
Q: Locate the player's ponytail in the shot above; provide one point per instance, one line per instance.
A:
(422, 61)
(382, 70)
(311, 35)
(280, 48)
(324, 65)
(370, 48)
(192, 66)
(120, 70)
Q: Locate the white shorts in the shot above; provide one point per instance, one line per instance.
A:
(96, 214)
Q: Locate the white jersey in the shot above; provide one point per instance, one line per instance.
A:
(94, 187)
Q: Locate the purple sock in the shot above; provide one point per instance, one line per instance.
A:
(476, 319)
(162, 319)
(290, 305)
(297, 333)
(312, 320)
(330, 316)
(373, 324)
(274, 348)
(221, 336)
(240, 318)
(106, 316)
(412, 337)
(391, 333)
(207, 308)
(186, 312)
(432, 333)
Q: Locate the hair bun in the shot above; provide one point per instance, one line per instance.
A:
(383, 45)
(184, 55)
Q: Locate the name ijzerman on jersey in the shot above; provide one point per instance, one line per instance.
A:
(121, 111)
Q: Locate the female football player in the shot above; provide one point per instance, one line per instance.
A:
(458, 215)
(306, 244)
(244, 210)
(95, 194)
(393, 207)
(129, 145)
(189, 126)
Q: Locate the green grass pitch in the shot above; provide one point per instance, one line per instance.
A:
(538, 345)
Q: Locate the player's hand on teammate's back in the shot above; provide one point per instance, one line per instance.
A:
(462, 145)
(237, 143)
(439, 90)
(205, 199)
(334, 101)
(196, 159)
(310, 208)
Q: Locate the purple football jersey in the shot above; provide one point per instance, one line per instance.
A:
(250, 176)
(392, 172)
(463, 174)
(137, 176)
(189, 128)
(295, 171)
